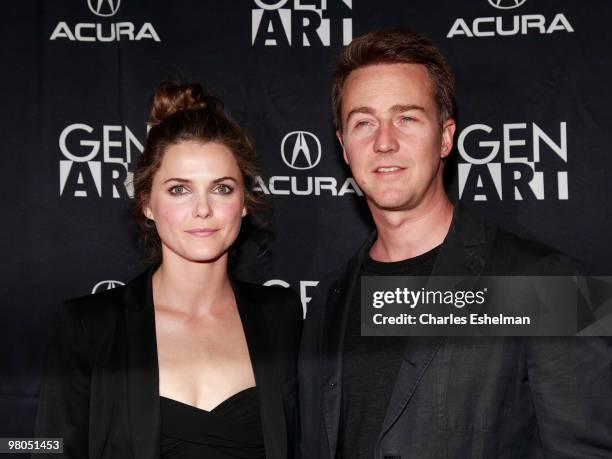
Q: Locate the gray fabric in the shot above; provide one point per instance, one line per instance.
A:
(478, 397)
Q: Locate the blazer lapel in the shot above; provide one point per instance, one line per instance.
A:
(463, 255)
(467, 246)
(419, 354)
(142, 368)
(266, 376)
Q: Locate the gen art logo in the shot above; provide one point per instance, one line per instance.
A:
(517, 162)
(306, 289)
(97, 160)
(301, 22)
(301, 150)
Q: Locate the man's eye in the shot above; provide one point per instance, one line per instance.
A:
(223, 189)
(178, 190)
(406, 119)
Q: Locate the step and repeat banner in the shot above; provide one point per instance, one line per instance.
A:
(532, 150)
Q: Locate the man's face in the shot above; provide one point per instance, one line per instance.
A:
(391, 138)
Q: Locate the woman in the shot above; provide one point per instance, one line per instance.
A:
(184, 361)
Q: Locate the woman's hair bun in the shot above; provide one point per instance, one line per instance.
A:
(172, 97)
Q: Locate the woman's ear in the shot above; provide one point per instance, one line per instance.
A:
(148, 212)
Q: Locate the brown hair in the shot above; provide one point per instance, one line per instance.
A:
(395, 46)
(183, 113)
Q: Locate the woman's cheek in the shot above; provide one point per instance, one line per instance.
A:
(230, 211)
(174, 213)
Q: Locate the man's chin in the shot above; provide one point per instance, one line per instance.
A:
(394, 203)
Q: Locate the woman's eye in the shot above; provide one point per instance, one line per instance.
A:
(223, 189)
(178, 190)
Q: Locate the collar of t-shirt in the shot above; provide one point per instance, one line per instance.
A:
(400, 267)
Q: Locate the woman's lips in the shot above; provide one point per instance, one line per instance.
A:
(202, 232)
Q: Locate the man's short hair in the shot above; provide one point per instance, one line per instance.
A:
(395, 46)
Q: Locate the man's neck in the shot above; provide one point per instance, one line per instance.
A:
(408, 234)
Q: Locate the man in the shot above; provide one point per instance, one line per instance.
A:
(415, 397)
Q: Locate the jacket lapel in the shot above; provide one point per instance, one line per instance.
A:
(467, 246)
(463, 254)
(419, 354)
(266, 376)
(142, 368)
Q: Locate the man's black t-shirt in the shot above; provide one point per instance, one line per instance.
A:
(370, 364)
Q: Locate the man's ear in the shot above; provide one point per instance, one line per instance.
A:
(448, 132)
(344, 155)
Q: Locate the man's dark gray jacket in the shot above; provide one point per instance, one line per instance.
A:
(463, 397)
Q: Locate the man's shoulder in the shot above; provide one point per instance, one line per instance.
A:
(516, 255)
(504, 252)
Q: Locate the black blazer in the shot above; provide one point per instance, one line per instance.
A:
(101, 388)
(460, 397)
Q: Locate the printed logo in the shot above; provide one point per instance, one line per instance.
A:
(104, 32)
(506, 4)
(300, 156)
(525, 164)
(305, 290)
(104, 8)
(106, 285)
(301, 151)
(301, 22)
(97, 163)
(509, 25)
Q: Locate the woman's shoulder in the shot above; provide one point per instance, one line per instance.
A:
(106, 303)
(282, 303)
(277, 310)
(91, 315)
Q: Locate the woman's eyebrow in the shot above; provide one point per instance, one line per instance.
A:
(227, 177)
(177, 179)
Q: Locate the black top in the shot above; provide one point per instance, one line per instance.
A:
(371, 363)
(101, 386)
(230, 430)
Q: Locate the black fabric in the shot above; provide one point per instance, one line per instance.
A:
(230, 430)
(370, 363)
(476, 397)
(101, 388)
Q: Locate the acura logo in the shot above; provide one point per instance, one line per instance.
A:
(301, 150)
(104, 8)
(106, 285)
(506, 4)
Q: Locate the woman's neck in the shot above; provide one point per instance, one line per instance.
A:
(193, 288)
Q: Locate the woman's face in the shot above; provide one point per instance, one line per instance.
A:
(197, 201)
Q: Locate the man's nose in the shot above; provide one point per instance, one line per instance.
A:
(385, 141)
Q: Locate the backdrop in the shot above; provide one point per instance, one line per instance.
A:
(534, 98)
